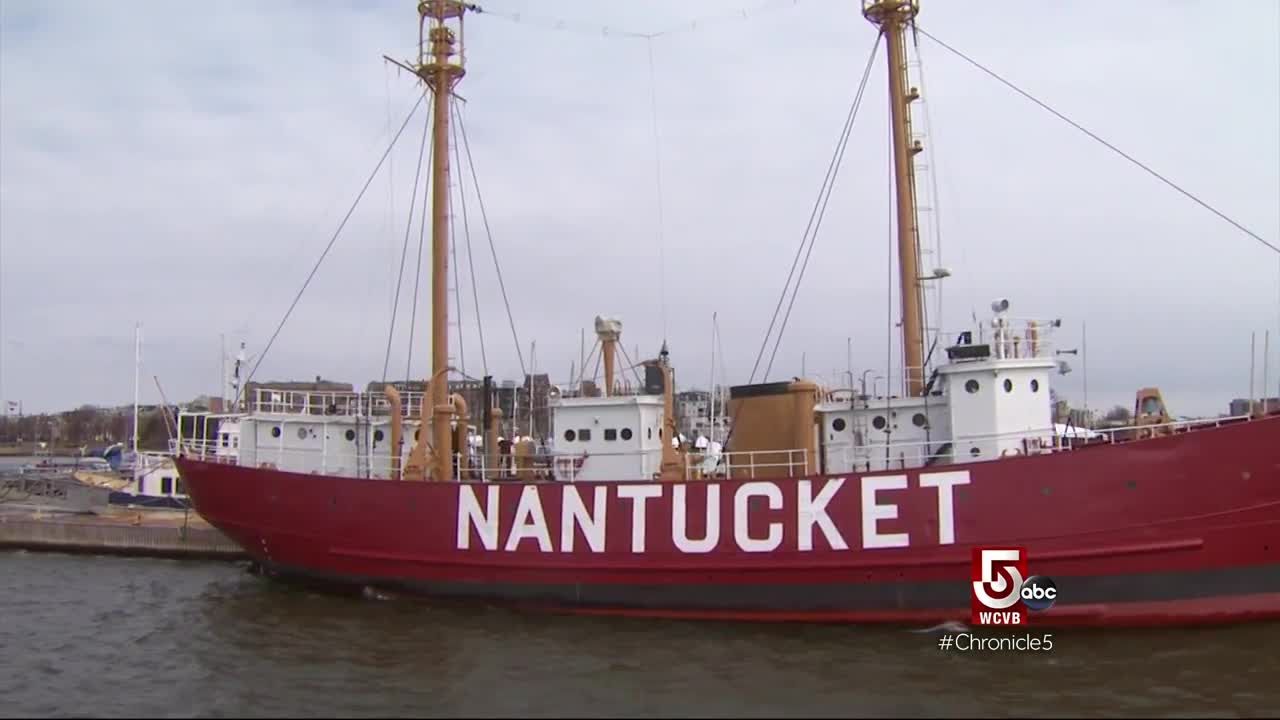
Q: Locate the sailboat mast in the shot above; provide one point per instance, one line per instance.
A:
(137, 365)
(894, 17)
(436, 68)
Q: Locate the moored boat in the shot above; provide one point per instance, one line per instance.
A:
(822, 506)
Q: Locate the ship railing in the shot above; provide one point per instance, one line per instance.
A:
(906, 454)
(1008, 337)
(340, 403)
(913, 453)
(700, 464)
(790, 462)
(572, 467)
(479, 466)
(621, 389)
(1141, 431)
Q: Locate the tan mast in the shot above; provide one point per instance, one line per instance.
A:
(440, 74)
(609, 330)
(894, 17)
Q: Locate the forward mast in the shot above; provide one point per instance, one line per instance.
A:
(893, 17)
(438, 44)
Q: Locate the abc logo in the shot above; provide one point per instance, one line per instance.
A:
(1039, 593)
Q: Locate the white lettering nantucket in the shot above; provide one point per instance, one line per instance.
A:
(680, 520)
(741, 520)
(872, 513)
(638, 495)
(946, 483)
(813, 511)
(574, 512)
(529, 522)
(485, 522)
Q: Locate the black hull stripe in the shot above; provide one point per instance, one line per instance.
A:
(865, 597)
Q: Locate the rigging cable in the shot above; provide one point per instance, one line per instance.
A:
(391, 164)
(613, 32)
(332, 240)
(634, 367)
(413, 197)
(417, 278)
(466, 231)
(935, 199)
(848, 123)
(835, 159)
(457, 286)
(657, 162)
(1108, 145)
(492, 249)
(842, 145)
(888, 325)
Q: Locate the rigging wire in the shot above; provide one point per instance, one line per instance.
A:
(466, 231)
(457, 286)
(848, 123)
(391, 162)
(657, 161)
(632, 364)
(935, 198)
(561, 25)
(821, 212)
(1108, 145)
(329, 247)
(404, 251)
(888, 325)
(492, 248)
(417, 278)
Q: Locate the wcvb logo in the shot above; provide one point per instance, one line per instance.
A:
(1002, 590)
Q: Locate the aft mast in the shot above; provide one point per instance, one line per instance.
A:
(894, 17)
(436, 67)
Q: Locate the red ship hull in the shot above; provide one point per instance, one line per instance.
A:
(1182, 529)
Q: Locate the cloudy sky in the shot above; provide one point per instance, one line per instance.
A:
(183, 166)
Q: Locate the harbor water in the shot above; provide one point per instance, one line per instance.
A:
(115, 637)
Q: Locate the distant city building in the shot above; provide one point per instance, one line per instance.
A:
(697, 415)
(525, 407)
(1241, 406)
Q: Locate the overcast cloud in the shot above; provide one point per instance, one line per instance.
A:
(183, 166)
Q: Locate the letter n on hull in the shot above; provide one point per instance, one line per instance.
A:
(471, 518)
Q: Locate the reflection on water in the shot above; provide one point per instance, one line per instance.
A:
(114, 637)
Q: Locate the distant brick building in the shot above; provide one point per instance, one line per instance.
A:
(1241, 406)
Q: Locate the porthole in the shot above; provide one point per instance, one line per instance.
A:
(971, 386)
(919, 420)
(302, 433)
(1008, 385)
(377, 436)
(1035, 385)
(879, 422)
(351, 435)
(570, 436)
(974, 451)
(275, 431)
(626, 433)
(838, 425)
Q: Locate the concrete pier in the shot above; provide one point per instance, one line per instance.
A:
(153, 533)
(58, 513)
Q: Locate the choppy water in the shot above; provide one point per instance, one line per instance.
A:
(117, 637)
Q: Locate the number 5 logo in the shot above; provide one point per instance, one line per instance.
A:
(1001, 574)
